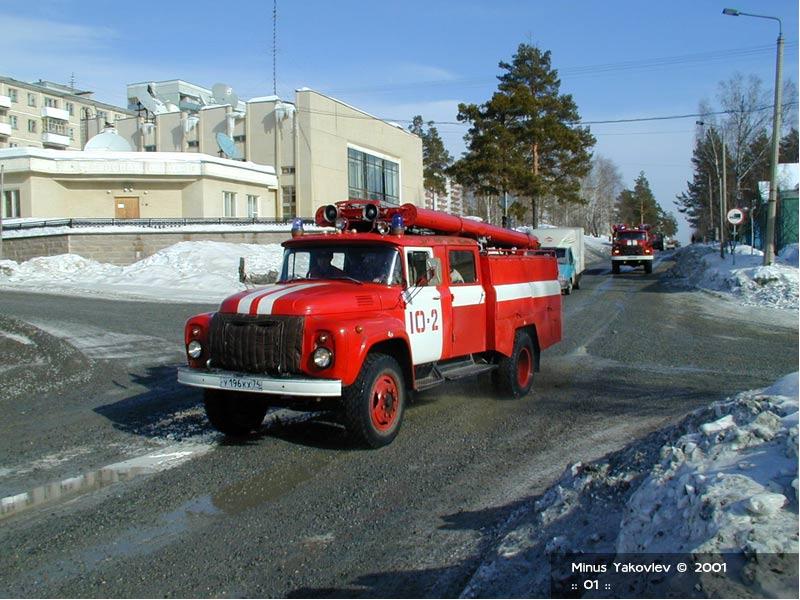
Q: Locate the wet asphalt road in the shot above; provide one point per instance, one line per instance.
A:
(299, 512)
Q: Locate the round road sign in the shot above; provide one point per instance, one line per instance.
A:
(735, 216)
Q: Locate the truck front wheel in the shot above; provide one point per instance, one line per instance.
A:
(374, 405)
(648, 267)
(236, 414)
(615, 268)
(514, 375)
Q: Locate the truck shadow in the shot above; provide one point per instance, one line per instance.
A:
(171, 411)
(164, 409)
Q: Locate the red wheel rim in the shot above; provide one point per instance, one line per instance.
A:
(524, 367)
(384, 402)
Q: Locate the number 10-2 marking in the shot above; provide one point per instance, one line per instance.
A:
(418, 322)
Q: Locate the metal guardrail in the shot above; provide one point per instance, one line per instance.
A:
(161, 223)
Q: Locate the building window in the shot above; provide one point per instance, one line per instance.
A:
(53, 126)
(287, 170)
(31, 99)
(101, 114)
(252, 205)
(229, 204)
(239, 138)
(12, 94)
(51, 102)
(372, 178)
(70, 109)
(193, 144)
(13, 122)
(150, 148)
(11, 204)
(289, 202)
(31, 126)
(71, 133)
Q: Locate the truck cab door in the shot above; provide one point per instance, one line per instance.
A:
(424, 319)
(467, 303)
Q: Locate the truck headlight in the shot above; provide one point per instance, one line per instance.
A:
(194, 349)
(322, 358)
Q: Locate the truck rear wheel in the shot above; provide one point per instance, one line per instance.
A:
(615, 268)
(514, 375)
(236, 414)
(375, 403)
(648, 267)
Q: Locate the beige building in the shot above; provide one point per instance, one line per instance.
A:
(323, 150)
(49, 115)
(317, 150)
(131, 185)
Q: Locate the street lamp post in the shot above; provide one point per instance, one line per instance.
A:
(769, 242)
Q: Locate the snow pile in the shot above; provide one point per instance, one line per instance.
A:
(723, 480)
(187, 271)
(776, 285)
(155, 227)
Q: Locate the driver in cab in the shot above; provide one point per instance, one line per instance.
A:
(321, 267)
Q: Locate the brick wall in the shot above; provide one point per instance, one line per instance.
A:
(124, 248)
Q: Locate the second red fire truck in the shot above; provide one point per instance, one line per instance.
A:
(398, 299)
(632, 246)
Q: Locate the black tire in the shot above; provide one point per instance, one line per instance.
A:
(615, 268)
(374, 405)
(648, 267)
(236, 414)
(568, 289)
(514, 374)
(577, 284)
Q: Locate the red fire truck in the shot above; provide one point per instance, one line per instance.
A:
(632, 246)
(398, 299)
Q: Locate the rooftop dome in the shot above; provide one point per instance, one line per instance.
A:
(110, 141)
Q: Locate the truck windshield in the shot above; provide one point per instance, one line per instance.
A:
(631, 235)
(561, 255)
(376, 264)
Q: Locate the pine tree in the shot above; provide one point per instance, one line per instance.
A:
(435, 157)
(523, 140)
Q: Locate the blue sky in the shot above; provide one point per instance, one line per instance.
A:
(619, 59)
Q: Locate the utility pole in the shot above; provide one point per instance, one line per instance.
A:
(723, 191)
(2, 204)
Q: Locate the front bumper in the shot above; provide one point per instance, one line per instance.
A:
(632, 257)
(259, 384)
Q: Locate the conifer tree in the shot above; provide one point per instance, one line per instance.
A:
(435, 157)
(524, 139)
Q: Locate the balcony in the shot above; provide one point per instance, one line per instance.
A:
(55, 113)
(55, 139)
(5, 129)
(5, 102)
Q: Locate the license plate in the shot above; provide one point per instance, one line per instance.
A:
(239, 383)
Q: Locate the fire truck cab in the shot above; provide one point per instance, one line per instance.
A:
(397, 299)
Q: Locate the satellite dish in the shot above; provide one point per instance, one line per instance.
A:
(224, 94)
(228, 147)
(148, 100)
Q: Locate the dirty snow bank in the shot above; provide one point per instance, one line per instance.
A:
(700, 265)
(723, 480)
(186, 271)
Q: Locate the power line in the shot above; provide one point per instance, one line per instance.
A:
(578, 71)
(576, 123)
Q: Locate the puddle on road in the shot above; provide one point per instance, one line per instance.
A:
(73, 487)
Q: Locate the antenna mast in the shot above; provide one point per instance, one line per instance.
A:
(274, 47)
